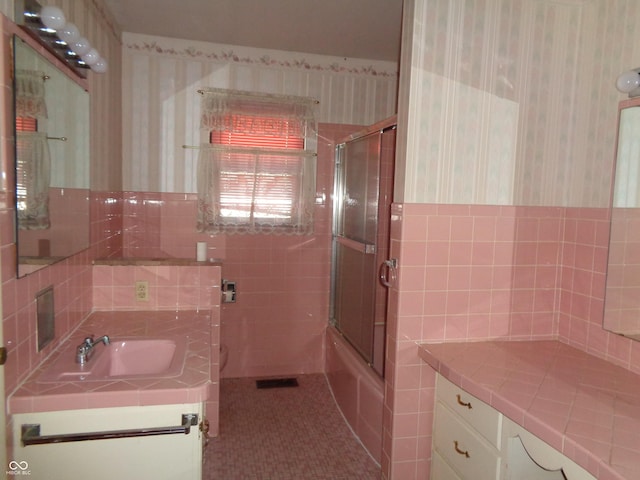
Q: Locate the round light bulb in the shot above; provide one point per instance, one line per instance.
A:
(52, 17)
(100, 66)
(69, 33)
(80, 46)
(628, 81)
(91, 57)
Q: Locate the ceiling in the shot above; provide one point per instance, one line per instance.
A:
(368, 29)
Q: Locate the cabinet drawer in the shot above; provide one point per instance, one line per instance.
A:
(485, 419)
(468, 453)
(157, 457)
(440, 470)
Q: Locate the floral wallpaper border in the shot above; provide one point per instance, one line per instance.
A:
(257, 56)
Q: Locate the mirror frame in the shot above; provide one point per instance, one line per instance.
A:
(36, 262)
(621, 311)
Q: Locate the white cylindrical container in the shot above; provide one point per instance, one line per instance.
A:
(201, 251)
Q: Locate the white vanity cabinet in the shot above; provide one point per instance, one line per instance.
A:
(164, 451)
(473, 441)
(466, 434)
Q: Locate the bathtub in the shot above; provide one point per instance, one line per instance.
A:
(358, 390)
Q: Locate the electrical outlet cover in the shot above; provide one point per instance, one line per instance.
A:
(142, 290)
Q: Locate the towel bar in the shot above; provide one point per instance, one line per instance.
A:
(31, 433)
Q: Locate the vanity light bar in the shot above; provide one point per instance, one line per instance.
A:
(629, 82)
(48, 25)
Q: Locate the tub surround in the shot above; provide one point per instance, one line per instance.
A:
(192, 386)
(583, 406)
(357, 390)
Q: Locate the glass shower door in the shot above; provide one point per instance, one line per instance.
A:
(358, 299)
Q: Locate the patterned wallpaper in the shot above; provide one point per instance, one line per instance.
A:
(517, 100)
(161, 77)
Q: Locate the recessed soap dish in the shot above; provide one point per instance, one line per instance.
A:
(45, 317)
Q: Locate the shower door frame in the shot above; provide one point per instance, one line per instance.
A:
(377, 129)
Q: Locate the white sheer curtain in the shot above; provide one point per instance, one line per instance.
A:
(30, 101)
(33, 163)
(33, 179)
(256, 172)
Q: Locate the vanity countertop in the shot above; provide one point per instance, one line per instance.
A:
(583, 406)
(192, 386)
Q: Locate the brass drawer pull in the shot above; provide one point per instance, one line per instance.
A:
(465, 453)
(464, 404)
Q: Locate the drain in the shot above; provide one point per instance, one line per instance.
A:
(277, 382)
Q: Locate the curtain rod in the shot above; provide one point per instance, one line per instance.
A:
(44, 76)
(263, 151)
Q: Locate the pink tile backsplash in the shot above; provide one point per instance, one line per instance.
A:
(170, 287)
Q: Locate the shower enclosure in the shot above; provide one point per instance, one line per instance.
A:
(363, 192)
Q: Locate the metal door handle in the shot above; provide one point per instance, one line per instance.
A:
(389, 272)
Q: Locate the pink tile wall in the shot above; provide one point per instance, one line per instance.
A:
(479, 272)
(472, 273)
(162, 225)
(106, 224)
(71, 280)
(147, 230)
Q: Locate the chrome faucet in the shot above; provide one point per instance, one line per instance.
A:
(85, 349)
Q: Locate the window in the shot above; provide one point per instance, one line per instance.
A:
(255, 175)
(23, 124)
(26, 124)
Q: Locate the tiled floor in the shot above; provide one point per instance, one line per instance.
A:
(293, 433)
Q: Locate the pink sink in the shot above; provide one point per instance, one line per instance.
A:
(122, 358)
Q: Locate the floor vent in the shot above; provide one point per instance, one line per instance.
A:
(277, 383)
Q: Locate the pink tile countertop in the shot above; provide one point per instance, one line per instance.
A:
(191, 386)
(583, 406)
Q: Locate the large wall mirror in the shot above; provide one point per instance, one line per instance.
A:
(52, 161)
(622, 299)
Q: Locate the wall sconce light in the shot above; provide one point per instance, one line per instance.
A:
(49, 25)
(629, 82)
